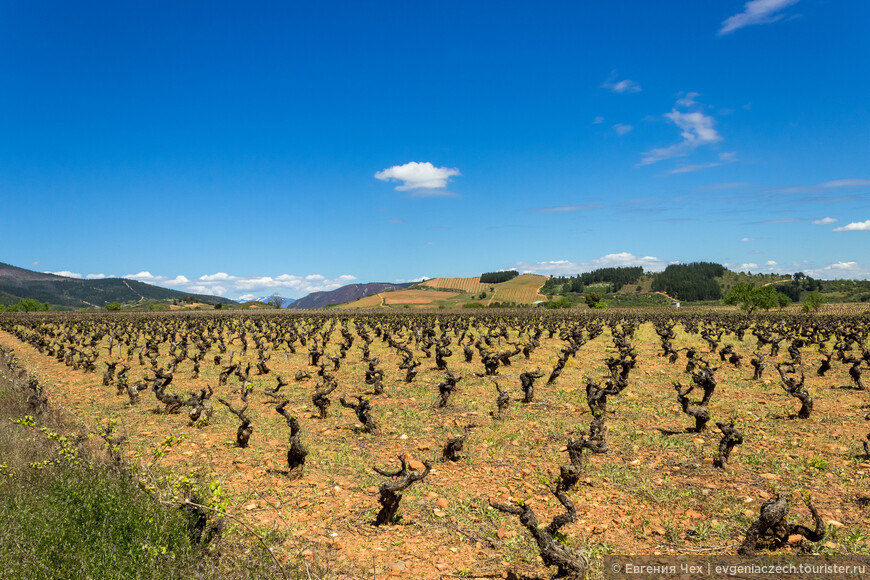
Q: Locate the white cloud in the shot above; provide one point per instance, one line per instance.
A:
(724, 158)
(785, 220)
(622, 129)
(414, 280)
(598, 120)
(216, 277)
(692, 168)
(847, 183)
(824, 188)
(566, 267)
(748, 266)
(855, 227)
(416, 176)
(842, 266)
(96, 276)
(842, 269)
(566, 208)
(65, 274)
(623, 86)
(748, 239)
(756, 12)
(825, 221)
(222, 284)
(771, 263)
(688, 100)
(696, 129)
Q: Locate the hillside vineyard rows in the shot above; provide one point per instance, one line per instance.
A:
(420, 443)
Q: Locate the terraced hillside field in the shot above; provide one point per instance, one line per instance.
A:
(471, 285)
(412, 298)
(523, 289)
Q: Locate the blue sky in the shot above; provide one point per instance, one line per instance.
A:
(246, 149)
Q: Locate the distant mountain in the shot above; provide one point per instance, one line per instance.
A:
(285, 302)
(19, 283)
(344, 294)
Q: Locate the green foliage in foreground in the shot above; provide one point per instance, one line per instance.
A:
(72, 521)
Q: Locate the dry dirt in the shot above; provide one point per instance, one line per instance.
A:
(655, 492)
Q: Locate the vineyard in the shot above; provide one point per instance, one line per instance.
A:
(521, 290)
(469, 285)
(415, 444)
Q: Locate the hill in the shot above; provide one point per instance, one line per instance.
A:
(271, 300)
(457, 293)
(344, 294)
(17, 284)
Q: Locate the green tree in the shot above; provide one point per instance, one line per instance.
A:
(813, 302)
(29, 305)
(592, 299)
(752, 298)
(113, 306)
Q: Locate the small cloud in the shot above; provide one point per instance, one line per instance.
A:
(413, 280)
(429, 244)
(842, 266)
(855, 227)
(696, 129)
(847, 183)
(724, 158)
(66, 274)
(566, 208)
(771, 263)
(596, 121)
(788, 220)
(219, 276)
(623, 86)
(688, 100)
(622, 129)
(416, 175)
(692, 168)
(756, 12)
(748, 239)
(747, 267)
(824, 221)
(726, 185)
(95, 277)
(36, 263)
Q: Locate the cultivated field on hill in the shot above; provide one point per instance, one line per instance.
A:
(650, 486)
(469, 285)
(523, 289)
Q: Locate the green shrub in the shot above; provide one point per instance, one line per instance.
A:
(562, 302)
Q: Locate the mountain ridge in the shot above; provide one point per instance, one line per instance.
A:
(347, 293)
(18, 283)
